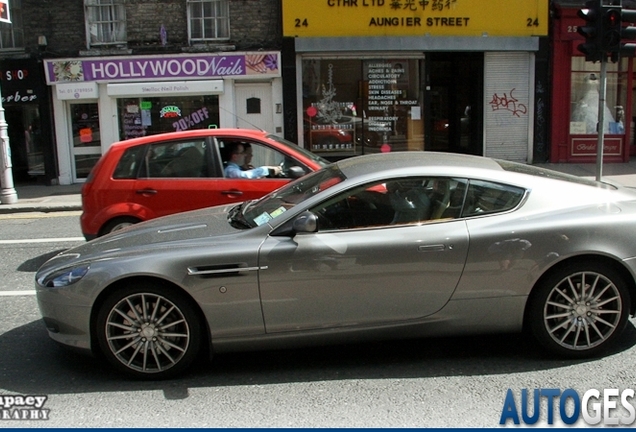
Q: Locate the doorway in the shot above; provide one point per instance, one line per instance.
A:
(254, 108)
(86, 142)
(455, 105)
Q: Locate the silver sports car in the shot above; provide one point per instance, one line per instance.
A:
(381, 246)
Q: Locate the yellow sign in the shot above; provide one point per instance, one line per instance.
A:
(322, 18)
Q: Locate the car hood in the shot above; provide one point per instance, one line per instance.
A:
(182, 230)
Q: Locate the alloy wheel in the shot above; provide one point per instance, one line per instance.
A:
(147, 333)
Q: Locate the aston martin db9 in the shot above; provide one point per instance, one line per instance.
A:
(402, 245)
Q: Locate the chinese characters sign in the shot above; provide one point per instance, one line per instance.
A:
(321, 18)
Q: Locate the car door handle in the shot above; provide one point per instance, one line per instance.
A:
(432, 248)
(232, 192)
(146, 191)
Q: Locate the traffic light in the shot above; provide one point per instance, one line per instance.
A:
(592, 31)
(611, 28)
(626, 33)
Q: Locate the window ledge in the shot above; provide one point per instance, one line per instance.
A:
(104, 51)
(206, 47)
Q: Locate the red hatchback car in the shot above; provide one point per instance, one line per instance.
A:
(157, 175)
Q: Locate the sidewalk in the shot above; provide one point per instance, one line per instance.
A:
(40, 198)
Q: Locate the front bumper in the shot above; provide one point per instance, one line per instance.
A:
(67, 322)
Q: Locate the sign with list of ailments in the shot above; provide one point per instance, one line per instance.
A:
(329, 18)
(4, 11)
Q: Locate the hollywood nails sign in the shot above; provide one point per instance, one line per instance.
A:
(157, 68)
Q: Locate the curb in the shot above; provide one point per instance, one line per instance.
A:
(28, 208)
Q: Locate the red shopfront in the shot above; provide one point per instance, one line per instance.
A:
(575, 99)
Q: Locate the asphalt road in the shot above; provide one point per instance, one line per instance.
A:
(445, 382)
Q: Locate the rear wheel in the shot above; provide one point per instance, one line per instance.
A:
(580, 310)
(149, 331)
(117, 224)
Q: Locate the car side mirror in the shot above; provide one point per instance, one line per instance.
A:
(295, 172)
(306, 222)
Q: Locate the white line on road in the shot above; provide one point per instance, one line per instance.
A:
(17, 293)
(39, 215)
(43, 240)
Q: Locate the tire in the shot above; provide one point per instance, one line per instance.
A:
(157, 341)
(580, 310)
(117, 224)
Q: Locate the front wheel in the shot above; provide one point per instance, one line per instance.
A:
(149, 332)
(580, 310)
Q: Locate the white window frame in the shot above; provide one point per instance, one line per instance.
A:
(208, 20)
(12, 35)
(105, 22)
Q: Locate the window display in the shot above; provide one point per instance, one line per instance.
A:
(585, 97)
(354, 106)
(150, 116)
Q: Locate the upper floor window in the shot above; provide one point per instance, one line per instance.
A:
(105, 22)
(208, 20)
(12, 35)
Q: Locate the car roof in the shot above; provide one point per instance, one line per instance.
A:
(194, 133)
(362, 165)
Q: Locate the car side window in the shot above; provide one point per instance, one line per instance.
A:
(395, 202)
(130, 163)
(487, 197)
(188, 159)
(259, 155)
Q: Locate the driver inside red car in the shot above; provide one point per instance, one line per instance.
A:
(236, 159)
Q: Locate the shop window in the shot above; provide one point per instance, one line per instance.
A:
(584, 98)
(150, 116)
(353, 106)
(105, 22)
(12, 34)
(208, 20)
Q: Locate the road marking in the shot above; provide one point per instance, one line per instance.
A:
(17, 293)
(40, 215)
(44, 240)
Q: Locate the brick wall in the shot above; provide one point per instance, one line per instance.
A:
(254, 24)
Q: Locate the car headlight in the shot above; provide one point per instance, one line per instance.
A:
(62, 278)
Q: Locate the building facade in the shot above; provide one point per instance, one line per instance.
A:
(575, 101)
(377, 76)
(116, 69)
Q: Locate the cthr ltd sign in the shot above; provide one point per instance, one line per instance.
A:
(363, 18)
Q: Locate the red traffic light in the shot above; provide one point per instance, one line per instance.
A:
(613, 18)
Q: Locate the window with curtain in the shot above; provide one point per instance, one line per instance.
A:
(105, 22)
(208, 20)
(12, 35)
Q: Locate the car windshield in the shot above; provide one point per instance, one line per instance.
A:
(314, 157)
(259, 212)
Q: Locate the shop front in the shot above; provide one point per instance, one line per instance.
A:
(575, 103)
(98, 101)
(380, 76)
(26, 103)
